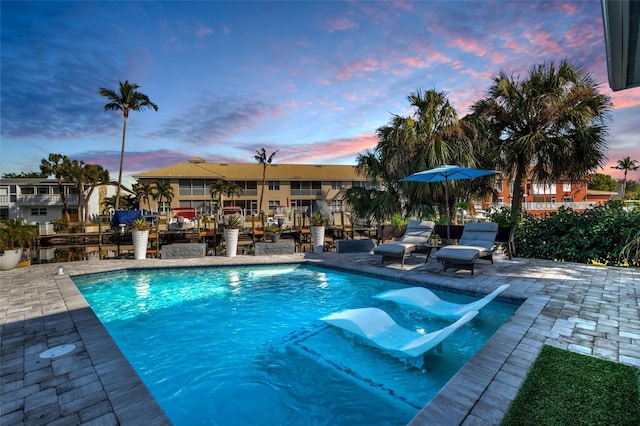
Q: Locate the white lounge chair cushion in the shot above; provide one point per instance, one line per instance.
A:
(379, 329)
(425, 300)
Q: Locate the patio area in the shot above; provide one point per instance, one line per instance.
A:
(587, 309)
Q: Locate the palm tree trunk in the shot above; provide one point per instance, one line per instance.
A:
(124, 132)
(264, 179)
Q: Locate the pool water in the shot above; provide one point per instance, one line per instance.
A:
(244, 345)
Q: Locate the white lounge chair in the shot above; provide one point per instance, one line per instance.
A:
(377, 328)
(425, 300)
(416, 237)
(478, 241)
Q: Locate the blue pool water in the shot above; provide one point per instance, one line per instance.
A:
(243, 345)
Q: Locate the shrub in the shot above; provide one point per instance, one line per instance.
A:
(597, 235)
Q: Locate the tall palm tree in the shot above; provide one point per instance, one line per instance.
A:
(55, 166)
(127, 99)
(262, 158)
(162, 191)
(430, 136)
(626, 164)
(547, 127)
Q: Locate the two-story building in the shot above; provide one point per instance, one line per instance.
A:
(39, 201)
(291, 187)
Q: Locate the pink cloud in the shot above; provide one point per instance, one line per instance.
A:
(626, 98)
(328, 150)
(203, 32)
(358, 67)
(342, 24)
(470, 45)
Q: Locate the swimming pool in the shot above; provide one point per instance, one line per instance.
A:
(243, 345)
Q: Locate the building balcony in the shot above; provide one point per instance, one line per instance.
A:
(307, 192)
(44, 200)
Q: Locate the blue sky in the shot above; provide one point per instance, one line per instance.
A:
(312, 79)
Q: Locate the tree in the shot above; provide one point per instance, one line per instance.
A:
(216, 189)
(626, 164)
(144, 193)
(55, 165)
(430, 136)
(162, 191)
(95, 175)
(632, 191)
(600, 182)
(231, 190)
(261, 158)
(128, 99)
(550, 126)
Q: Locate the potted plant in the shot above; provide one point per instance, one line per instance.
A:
(231, 232)
(140, 236)
(15, 235)
(274, 232)
(318, 223)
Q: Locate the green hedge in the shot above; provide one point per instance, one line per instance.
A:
(598, 235)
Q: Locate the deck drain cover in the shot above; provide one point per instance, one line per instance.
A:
(57, 351)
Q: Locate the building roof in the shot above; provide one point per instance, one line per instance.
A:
(199, 169)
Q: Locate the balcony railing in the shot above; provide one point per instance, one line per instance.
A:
(44, 200)
(550, 206)
(309, 192)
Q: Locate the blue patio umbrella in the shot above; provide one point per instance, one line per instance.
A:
(445, 174)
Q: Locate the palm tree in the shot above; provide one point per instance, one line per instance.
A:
(162, 191)
(547, 127)
(232, 189)
(217, 189)
(144, 193)
(128, 99)
(55, 166)
(626, 164)
(432, 135)
(261, 158)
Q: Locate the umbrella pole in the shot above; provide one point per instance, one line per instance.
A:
(446, 201)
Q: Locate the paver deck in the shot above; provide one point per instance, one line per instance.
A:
(587, 309)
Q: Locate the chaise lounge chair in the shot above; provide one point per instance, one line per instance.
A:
(477, 242)
(378, 329)
(416, 237)
(425, 300)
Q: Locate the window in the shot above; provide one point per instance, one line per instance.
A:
(336, 185)
(198, 188)
(164, 207)
(184, 186)
(274, 204)
(38, 211)
(365, 184)
(27, 190)
(336, 205)
(566, 187)
(43, 190)
(567, 199)
(274, 185)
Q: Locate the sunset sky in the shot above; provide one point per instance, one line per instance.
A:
(312, 79)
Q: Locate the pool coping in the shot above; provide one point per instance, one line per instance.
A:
(480, 393)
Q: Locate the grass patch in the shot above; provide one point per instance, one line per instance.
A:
(566, 388)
